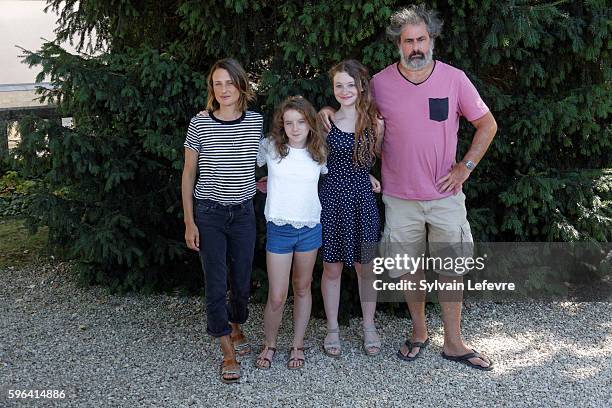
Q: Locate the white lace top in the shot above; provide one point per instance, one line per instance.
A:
(293, 196)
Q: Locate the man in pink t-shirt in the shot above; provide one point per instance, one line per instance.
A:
(421, 101)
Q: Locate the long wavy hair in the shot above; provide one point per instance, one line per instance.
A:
(367, 113)
(315, 143)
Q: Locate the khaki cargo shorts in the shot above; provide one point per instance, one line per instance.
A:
(411, 224)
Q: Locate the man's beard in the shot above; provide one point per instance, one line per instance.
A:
(416, 61)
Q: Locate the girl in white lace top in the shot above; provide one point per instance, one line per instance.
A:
(295, 154)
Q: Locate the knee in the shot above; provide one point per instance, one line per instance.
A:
(301, 289)
(276, 302)
(364, 272)
(332, 273)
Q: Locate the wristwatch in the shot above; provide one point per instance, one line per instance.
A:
(470, 165)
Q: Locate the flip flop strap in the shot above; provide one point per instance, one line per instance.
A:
(419, 344)
(467, 356)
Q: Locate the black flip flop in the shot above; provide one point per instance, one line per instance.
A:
(465, 360)
(410, 346)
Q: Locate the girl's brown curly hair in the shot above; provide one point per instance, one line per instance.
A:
(315, 143)
(367, 113)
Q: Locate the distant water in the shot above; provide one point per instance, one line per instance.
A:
(22, 23)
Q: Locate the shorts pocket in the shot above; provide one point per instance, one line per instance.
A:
(467, 241)
(383, 244)
(466, 232)
(438, 109)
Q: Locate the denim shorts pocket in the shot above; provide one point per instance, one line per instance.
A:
(438, 109)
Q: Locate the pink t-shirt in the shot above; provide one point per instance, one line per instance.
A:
(421, 124)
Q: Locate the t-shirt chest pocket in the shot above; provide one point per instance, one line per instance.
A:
(438, 109)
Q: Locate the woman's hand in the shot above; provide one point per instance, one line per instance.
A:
(375, 184)
(327, 115)
(192, 236)
(262, 184)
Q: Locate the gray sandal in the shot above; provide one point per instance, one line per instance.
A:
(333, 345)
(371, 344)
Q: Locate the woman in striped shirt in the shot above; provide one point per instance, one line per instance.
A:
(219, 173)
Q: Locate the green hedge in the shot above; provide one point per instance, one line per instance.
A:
(111, 185)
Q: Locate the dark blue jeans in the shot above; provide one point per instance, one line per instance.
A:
(226, 233)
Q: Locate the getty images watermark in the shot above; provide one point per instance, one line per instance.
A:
(400, 265)
(498, 271)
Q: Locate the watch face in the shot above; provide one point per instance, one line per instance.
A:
(470, 165)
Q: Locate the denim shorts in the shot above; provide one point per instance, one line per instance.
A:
(285, 239)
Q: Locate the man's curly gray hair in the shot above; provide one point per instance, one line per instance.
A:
(414, 15)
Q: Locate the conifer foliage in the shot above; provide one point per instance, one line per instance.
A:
(111, 190)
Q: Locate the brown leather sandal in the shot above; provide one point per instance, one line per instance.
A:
(301, 361)
(241, 344)
(262, 366)
(230, 366)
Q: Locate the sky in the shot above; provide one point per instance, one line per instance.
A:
(23, 23)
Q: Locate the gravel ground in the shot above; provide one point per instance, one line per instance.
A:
(132, 351)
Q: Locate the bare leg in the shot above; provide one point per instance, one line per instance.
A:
(302, 298)
(239, 341)
(236, 330)
(367, 296)
(415, 299)
(330, 289)
(279, 270)
(451, 303)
